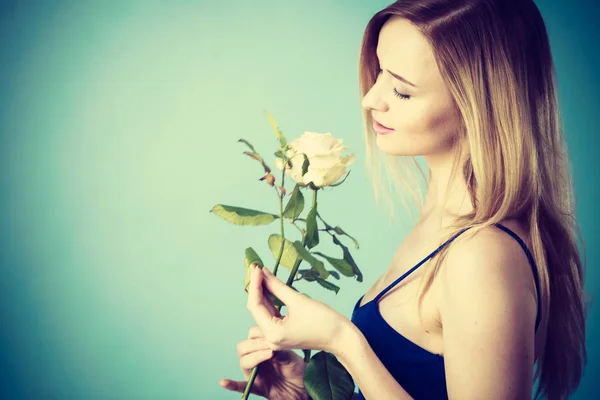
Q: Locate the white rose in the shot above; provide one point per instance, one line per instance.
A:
(324, 154)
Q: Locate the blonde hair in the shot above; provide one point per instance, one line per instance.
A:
(495, 59)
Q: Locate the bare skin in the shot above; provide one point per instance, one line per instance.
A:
(280, 376)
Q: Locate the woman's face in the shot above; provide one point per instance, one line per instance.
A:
(425, 122)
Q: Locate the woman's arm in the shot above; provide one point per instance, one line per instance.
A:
(488, 311)
(370, 375)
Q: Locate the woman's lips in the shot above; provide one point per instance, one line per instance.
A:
(380, 129)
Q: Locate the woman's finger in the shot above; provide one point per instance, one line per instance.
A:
(283, 292)
(256, 306)
(255, 292)
(270, 306)
(255, 332)
(252, 345)
(249, 361)
(265, 298)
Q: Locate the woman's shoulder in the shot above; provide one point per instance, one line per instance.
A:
(487, 307)
(494, 239)
(493, 246)
(493, 260)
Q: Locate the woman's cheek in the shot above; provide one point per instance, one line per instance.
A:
(412, 121)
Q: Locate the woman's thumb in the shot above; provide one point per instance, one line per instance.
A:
(282, 291)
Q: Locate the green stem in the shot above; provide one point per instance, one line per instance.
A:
(252, 377)
(299, 260)
(289, 282)
(280, 222)
(282, 236)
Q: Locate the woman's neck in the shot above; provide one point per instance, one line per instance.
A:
(443, 207)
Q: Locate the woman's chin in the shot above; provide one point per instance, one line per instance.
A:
(396, 148)
(387, 144)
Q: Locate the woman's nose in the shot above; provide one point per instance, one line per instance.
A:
(373, 101)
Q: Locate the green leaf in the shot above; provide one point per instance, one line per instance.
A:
(325, 378)
(247, 144)
(279, 154)
(254, 155)
(295, 204)
(340, 231)
(305, 164)
(348, 258)
(340, 182)
(334, 274)
(250, 257)
(341, 265)
(243, 216)
(317, 265)
(312, 232)
(247, 279)
(289, 256)
(328, 285)
(257, 157)
(278, 134)
(308, 275)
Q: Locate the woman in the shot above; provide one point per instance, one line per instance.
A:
(470, 86)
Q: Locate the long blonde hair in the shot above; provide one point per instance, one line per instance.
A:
(495, 59)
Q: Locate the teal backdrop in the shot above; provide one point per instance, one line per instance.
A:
(119, 123)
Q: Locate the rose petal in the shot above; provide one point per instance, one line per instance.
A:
(327, 165)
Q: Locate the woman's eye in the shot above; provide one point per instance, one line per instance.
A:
(396, 93)
(402, 96)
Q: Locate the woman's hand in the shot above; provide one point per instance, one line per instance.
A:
(280, 373)
(308, 324)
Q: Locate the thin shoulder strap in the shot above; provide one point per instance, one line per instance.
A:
(533, 268)
(391, 285)
(505, 229)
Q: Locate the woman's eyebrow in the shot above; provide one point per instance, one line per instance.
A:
(401, 78)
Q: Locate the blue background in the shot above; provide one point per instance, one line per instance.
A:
(118, 130)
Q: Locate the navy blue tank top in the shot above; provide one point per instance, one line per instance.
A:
(420, 372)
